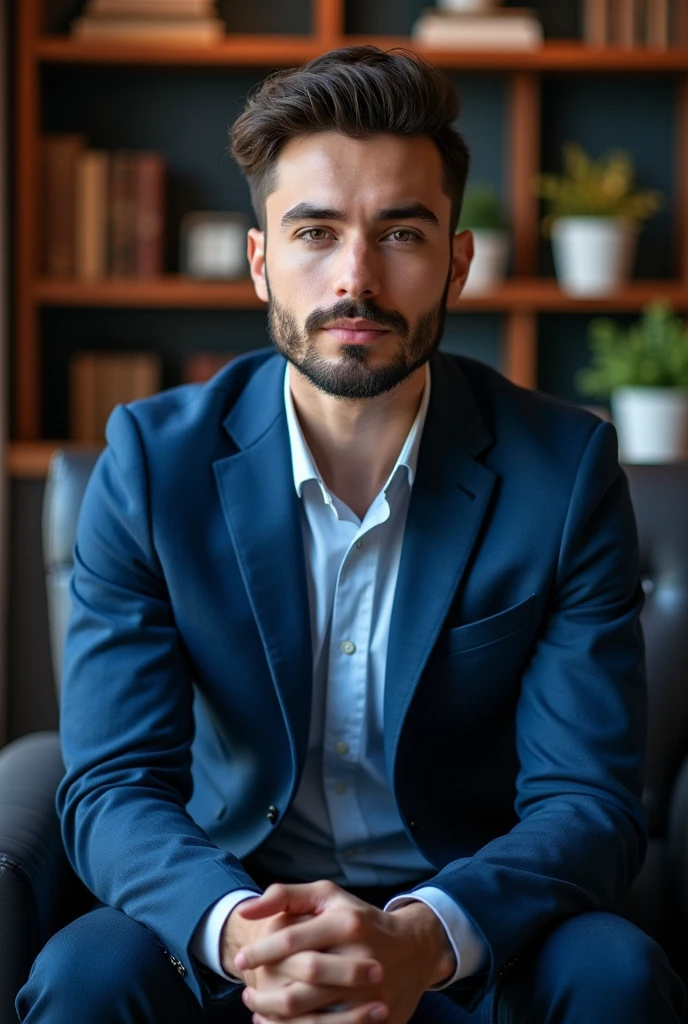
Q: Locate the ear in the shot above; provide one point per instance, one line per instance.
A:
(462, 254)
(255, 250)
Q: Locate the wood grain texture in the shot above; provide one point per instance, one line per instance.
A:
(26, 343)
(524, 162)
(519, 351)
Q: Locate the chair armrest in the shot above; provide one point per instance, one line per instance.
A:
(678, 838)
(35, 876)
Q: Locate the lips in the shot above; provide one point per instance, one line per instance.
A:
(356, 332)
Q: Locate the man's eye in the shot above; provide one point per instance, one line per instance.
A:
(403, 235)
(314, 235)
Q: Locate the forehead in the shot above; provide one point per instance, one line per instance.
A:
(332, 169)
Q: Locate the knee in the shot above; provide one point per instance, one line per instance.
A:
(607, 956)
(85, 970)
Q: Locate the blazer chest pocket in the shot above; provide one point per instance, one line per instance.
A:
(488, 631)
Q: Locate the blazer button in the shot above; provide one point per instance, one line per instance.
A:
(413, 828)
(273, 814)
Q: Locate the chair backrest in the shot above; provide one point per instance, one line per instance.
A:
(660, 499)
(68, 475)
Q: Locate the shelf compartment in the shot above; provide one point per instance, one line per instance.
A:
(286, 51)
(177, 292)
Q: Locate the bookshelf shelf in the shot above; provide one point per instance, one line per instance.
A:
(284, 51)
(29, 460)
(172, 292)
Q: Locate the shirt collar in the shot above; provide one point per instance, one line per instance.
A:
(303, 462)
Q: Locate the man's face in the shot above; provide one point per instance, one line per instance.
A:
(358, 262)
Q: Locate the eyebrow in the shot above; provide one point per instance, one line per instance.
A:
(309, 211)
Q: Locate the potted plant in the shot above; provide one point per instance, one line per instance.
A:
(594, 215)
(483, 214)
(644, 370)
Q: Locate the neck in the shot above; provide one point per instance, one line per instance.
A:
(355, 443)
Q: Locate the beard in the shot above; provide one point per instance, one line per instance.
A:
(352, 376)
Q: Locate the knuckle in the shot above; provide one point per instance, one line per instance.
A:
(354, 924)
(311, 968)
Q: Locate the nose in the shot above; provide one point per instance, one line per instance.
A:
(356, 271)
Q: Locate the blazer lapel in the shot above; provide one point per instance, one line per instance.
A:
(450, 498)
(261, 507)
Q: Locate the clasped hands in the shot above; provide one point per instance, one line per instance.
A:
(310, 949)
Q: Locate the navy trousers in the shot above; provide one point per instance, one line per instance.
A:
(594, 968)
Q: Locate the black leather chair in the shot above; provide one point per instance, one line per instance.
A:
(39, 892)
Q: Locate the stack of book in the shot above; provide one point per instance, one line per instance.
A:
(149, 21)
(101, 380)
(104, 212)
(510, 28)
(636, 23)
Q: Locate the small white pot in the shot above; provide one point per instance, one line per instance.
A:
(593, 255)
(490, 258)
(652, 423)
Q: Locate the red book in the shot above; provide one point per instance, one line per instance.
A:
(150, 214)
(201, 366)
(61, 153)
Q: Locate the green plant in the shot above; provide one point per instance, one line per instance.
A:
(482, 209)
(652, 352)
(595, 188)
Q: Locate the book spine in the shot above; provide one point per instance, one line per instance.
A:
(596, 28)
(680, 24)
(83, 399)
(201, 366)
(658, 23)
(60, 157)
(122, 215)
(150, 214)
(92, 171)
(176, 30)
(623, 22)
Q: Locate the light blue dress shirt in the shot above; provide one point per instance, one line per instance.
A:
(343, 823)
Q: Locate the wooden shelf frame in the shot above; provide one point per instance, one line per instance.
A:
(538, 295)
(520, 300)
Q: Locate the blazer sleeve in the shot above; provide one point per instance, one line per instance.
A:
(127, 721)
(580, 725)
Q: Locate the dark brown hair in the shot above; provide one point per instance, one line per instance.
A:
(358, 91)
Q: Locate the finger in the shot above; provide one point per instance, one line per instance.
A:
(301, 898)
(370, 1013)
(332, 929)
(296, 999)
(332, 969)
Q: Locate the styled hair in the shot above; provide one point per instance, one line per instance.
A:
(358, 91)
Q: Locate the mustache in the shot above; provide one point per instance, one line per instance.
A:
(348, 309)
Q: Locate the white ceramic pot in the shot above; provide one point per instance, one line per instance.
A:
(593, 255)
(490, 258)
(652, 423)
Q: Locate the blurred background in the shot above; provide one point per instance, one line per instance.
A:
(123, 217)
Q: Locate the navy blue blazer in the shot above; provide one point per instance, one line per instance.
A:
(514, 720)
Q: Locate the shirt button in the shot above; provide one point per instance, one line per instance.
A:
(340, 788)
(347, 647)
(341, 748)
(359, 544)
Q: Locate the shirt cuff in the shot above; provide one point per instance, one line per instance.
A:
(205, 944)
(469, 947)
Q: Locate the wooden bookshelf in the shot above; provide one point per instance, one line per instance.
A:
(177, 292)
(285, 51)
(519, 301)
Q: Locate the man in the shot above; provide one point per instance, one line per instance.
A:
(357, 618)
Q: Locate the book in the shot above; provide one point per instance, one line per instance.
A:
(163, 30)
(101, 380)
(149, 189)
(60, 155)
(658, 23)
(509, 29)
(122, 261)
(91, 213)
(157, 8)
(150, 9)
(623, 23)
(201, 366)
(596, 19)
